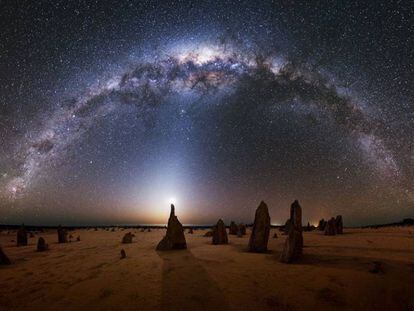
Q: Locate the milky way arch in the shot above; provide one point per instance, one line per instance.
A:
(199, 72)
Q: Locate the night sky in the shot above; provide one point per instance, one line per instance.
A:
(111, 111)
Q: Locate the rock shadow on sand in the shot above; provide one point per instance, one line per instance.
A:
(186, 285)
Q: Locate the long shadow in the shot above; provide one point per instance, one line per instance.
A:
(186, 285)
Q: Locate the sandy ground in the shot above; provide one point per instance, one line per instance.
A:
(89, 275)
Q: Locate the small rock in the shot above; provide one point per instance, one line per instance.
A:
(4, 260)
(127, 238)
(123, 254)
(62, 235)
(377, 267)
(42, 245)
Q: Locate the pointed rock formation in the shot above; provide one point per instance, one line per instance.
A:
(330, 228)
(292, 250)
(174, 238)
(220, 233)
(261, 230)
(42, 245)
(62, 235)
(275, 236)
(4, 260)
(127, 238)
(339, 225)
(233, 228)
(22, 236)
(190, 231)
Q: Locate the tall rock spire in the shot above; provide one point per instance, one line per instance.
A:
(261, 229)
(174, 238)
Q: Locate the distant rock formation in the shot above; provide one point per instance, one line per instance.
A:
(31, 234)
(292, 249)
(330, 228)
(322, 225)
(190, 231)
(127, 238)
(275, 235)
(286, 227)
(42, 245)
(261, 229)
(339, 225)
(78, 238)
(241, 229)
(208, 234)
(123, 254)
(22, 236)
(233, 228)
(62, 235)
(4, 260)
(174, 238)
(220, 233)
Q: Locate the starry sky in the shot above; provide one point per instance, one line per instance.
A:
(111, 110)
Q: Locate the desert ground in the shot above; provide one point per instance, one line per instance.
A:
(336, 272)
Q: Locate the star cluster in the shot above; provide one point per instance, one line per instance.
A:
(219, 106)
